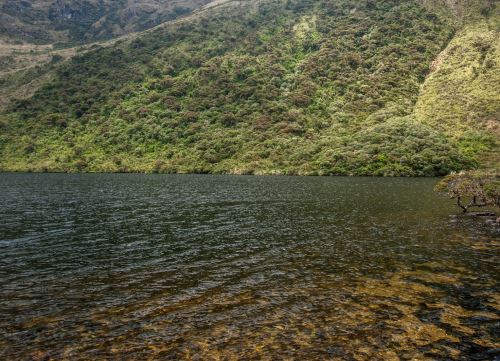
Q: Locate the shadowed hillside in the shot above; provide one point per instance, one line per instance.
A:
(48, 21)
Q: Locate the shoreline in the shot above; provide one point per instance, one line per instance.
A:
(254, 174)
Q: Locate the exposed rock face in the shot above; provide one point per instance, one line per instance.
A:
(60, 11)
(463, 9)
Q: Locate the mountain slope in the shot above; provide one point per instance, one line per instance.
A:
(461, 96)
(281, 87)
(49, 21)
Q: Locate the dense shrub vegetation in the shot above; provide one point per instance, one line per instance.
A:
(277, 87)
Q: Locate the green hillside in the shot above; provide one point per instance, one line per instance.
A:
(274, 87)
(461, 97)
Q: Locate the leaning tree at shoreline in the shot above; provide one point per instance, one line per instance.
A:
(472, 189)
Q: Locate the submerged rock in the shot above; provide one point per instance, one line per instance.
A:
(482, 214)
(39, 356)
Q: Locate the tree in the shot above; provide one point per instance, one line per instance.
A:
(480, 187)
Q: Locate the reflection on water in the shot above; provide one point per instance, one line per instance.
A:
(221, 268)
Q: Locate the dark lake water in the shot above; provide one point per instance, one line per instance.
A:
(135, 267)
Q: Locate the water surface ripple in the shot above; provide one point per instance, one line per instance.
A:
(218, 267)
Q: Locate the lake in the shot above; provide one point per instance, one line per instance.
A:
(133, 267)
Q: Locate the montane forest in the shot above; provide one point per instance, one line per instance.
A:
(292, 87)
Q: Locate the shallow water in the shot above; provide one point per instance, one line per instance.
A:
(215, 267)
